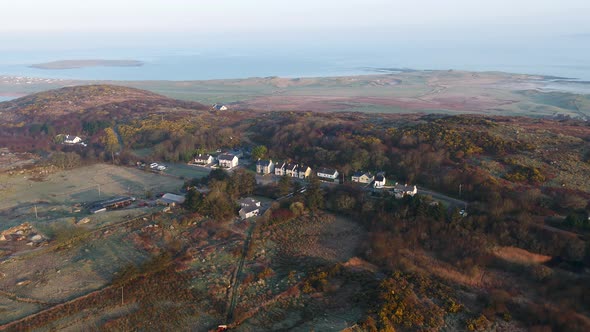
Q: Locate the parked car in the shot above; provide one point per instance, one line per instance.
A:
(153, 165)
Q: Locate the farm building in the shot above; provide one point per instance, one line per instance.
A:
(111, 204)
(171, 199)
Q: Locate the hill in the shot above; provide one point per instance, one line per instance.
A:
(105, 101)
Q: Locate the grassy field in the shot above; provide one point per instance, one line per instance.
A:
(55, 196)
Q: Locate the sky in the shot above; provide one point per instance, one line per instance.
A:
(29, 23)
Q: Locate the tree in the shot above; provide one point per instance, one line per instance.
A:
(259, 152)
(284, 185)
(313, 196)
(110, 141)
(194, 201)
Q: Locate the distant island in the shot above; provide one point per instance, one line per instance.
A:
(73, 64)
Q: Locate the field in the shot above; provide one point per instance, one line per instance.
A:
(455, 92)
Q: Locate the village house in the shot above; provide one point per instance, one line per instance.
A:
(303, 172)
(249, 212)
(402, 190)
(363, 177)
(291, 170)
(327, 174)
(249, 208)
(227, 160)
(219, 107)
(265, 166)
(203, 159)
(379, 180)
(280, 169)
(69, 139)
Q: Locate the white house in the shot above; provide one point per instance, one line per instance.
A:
(227, 160)
(250, 208)
(327, 173)
(291, 170)
(280, 169)
(265, 166)
(203, 159)
(69, 139)
(379, 180)
(403, 190)
(249, 212)
(363, 177)
(220, 107)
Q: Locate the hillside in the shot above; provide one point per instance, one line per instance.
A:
(81, 100)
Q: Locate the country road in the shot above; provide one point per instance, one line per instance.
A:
(442, 197)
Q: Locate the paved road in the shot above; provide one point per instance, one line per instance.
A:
(442, 197)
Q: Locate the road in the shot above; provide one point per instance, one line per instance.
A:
(442, 197)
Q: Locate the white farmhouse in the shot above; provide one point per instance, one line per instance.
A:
(379, 180)
(327, 174)
(227, 160)
(69, 139)
(203, 159)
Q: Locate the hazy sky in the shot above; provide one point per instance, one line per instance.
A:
(272, 19)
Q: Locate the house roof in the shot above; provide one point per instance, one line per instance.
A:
(263, 162)
(226, 156)
(361, 173)
(70, 137)
(248, 201)
(291, 166)
(380, 177)
(324, 170)
(203, 156)
(281, 165)
(401, 187)
(172, 198)
(302, 168)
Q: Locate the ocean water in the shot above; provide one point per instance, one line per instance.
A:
(562, 58)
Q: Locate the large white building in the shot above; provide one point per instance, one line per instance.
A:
(227, 160)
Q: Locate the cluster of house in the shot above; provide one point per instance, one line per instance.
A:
(302, 171)
(249, 207)
(293, 170)
(225, 160)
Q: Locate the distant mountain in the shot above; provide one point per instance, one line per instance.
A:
(88, 101)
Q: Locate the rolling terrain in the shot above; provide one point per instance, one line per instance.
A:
(446, 92)
(325, 255)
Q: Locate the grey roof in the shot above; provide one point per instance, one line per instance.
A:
(203, 156)
(327, 170)
(263, 162)
(291, 166)
(361, 173)
(380, 177)
(248, 201)
(226, 156)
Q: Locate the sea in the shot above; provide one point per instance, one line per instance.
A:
(567, 59)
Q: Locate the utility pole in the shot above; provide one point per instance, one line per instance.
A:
(122, 299)
(98, 190)
(460, 187)
(36, 216)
